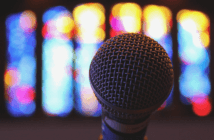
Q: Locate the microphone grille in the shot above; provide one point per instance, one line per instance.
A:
(131, 71)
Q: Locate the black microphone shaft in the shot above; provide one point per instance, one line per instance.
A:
(114, 129)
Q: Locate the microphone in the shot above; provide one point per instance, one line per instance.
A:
(131, 76)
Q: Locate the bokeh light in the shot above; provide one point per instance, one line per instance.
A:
(125, 18)
(193, 49)
(25, 94)
(157, 24)
(58, 23)
(64, 24)
(11, 77)
(199, 19)
(27, 21)
(201, 105)
(89, 19)
(86, 102)
(157, 20)
(89, 101)
(189, 82)
(57, 59)
(20, 73)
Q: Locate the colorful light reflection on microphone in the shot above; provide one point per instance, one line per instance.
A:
(57, 59)
(20, 74)
(90, 33)
(125, 18)
(194, 40)
(157, 23)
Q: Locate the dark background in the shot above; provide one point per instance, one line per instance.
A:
(174, 123)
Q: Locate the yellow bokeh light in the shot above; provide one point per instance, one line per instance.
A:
(100, 34)
(27, 20)
(167, 12)
(98, 6)
(156, 20)
(197, 24)
(11, 77)
(116, 9)
(130, 9)
(88, 16)
(130, 15)
(181, 14)
(78, 10)
(64, 24)
(131, 24)
(87, 36)
(152, 11)
(205, 39)
(88, 19)
(200, 19)
(189, 25)
(156, 28)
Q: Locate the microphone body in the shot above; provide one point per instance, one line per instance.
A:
(113, 129)
(131, 76)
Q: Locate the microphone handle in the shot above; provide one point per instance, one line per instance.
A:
(109, 133)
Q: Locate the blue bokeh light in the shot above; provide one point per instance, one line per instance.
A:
(53, 13)
(88, 106)
(21, 45)
(193, 82)
(195, 58)
(57, 59)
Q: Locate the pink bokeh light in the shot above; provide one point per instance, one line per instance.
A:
(25, 94)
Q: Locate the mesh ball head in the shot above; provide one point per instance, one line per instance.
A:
(131, 75)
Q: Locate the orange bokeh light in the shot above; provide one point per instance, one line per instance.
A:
(11, 77)
(28, 21)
